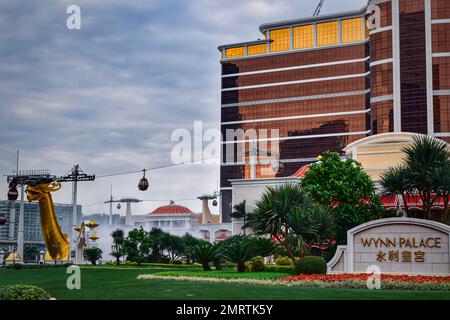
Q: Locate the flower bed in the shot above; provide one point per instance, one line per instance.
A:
(350, 281)
(387, 281)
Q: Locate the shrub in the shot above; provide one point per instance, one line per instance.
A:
(257, 264)
(282, 269)
(311, 265)
(23, 292)
(15, 266)
(283, 261)
(92, 255)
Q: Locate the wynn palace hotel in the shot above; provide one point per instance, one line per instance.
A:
(327, 81)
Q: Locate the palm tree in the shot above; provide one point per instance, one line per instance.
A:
(312, 224)
(240, 252)
(441, 180)
(323, 219)
(203, 253)
(118, 240)
(272, 213)
(397, 181)
(239, 213)
(423, 157)
(92, 255)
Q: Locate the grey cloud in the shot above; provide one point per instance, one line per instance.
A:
(109, 95)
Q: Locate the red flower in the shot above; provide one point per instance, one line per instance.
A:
(364, 277)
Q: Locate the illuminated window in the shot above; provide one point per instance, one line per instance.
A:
(235, 52)
(257, 49)
(367, 29)
(281, 40)
(304, 37)
(352, 30)
(327, 33)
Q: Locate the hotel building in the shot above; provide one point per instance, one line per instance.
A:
(326, 82)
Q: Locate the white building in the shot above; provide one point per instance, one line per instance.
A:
(179, 220)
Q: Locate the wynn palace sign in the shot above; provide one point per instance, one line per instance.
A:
(396, 245)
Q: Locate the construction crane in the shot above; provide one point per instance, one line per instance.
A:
(319, 7)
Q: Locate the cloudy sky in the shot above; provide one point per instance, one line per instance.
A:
(110, 95)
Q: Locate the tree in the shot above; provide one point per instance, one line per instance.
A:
(264, 247)
(240, 252)
(138, 245)
(240, 212)
(93, 255)
(344, 188)
(118, 241)
(272, 213)
(157, 236)
(424, 157)
(174, 245)
(311, 224)
(441, 180)
(397, 181)
(217, 257)
(189, 241)
(203, 253)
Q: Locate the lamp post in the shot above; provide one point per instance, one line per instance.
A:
(41, 257)
(2, 257)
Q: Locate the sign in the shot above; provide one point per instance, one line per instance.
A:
(395, 245)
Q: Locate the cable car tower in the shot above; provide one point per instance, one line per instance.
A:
(40, 177)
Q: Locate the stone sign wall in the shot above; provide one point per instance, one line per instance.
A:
(396, 245)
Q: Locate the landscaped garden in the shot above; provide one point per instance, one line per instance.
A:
(297, 225)
(122, 284)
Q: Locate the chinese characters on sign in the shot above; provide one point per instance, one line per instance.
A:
(411, 248)
(406, 256)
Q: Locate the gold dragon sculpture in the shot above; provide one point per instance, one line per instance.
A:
(57, 242)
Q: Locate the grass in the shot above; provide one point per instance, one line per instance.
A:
(146, 266)
(121, 284)
(151, 265)
(225, 274)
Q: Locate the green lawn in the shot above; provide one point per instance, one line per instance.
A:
(225, 274)
(100, 283)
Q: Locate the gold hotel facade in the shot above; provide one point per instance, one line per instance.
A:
(325, 82)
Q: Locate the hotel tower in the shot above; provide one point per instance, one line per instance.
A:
(321, 83)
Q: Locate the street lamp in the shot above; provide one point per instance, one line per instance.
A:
(41, 257)
(2, 258)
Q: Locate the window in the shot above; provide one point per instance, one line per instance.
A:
(327, 33)
(178, 224)
(257, 49)
(154, 224)
(352, 30)
(235, 52)
(281, 40)
(304, 37)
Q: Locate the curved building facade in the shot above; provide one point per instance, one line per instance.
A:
(321, 83)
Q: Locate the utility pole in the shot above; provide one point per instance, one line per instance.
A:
(20, 229)
(110, 209)
(75, 173)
